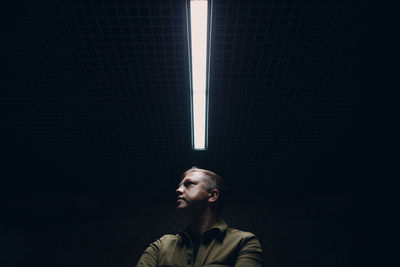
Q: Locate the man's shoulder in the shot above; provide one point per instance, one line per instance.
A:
(168, 238)
(236, 233)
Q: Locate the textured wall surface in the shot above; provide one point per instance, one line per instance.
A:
(293, 229)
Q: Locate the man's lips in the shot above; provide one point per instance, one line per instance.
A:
(180, 198)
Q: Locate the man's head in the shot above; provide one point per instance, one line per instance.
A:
(200, 189)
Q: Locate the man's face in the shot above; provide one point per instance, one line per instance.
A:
(192, 193)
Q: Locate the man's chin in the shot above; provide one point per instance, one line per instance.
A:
(180, 207)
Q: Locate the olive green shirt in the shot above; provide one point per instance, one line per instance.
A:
(219, 246)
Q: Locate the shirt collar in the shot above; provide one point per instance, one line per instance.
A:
(218, 230)
(220, 225)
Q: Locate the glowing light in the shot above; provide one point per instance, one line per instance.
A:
(199, 41)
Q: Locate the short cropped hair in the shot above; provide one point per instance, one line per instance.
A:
(213, 181)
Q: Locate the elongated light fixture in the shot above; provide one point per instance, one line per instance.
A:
(199, 47)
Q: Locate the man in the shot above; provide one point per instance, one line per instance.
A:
(207, 240)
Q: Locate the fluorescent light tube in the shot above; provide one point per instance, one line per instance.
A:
(199, 70)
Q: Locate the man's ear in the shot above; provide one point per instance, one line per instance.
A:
(214, 194)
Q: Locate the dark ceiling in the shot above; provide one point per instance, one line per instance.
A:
(95, 96)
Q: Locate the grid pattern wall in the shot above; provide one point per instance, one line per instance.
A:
(108, 80)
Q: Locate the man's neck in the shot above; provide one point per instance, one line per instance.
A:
(201, 224)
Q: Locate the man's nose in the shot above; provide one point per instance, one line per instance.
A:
(179, 191)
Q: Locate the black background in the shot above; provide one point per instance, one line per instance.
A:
(95, 128)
